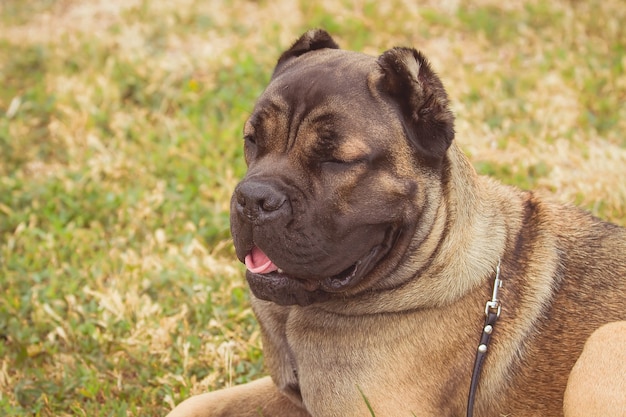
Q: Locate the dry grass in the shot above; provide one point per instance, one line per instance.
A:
(120, 125)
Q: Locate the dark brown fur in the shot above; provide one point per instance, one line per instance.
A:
(387, 243)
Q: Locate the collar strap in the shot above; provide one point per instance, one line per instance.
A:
(492, 313)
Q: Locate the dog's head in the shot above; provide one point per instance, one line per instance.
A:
(342, 149)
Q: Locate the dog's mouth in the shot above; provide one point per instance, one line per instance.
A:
(269, 282)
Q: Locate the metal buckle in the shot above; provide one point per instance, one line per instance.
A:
(493, 305)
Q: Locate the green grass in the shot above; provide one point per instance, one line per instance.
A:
(120, 144)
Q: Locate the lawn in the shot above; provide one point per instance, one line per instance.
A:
(121, 142)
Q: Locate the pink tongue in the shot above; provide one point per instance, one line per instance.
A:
(257, 262)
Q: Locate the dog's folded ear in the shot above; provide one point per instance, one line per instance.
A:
(311, 40)
(410, 81)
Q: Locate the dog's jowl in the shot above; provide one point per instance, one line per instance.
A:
(372, 245)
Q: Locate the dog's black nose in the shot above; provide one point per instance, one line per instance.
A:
(260, 201)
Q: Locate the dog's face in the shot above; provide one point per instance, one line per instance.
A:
(341, 150)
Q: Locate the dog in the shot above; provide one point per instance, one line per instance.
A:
(375, 252)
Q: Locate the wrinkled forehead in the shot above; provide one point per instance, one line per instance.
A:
(322, 76)
(325, 81)
(335, 63)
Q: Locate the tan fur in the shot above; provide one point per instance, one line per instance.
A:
(255, 399)
(404, 342)
(597, 383)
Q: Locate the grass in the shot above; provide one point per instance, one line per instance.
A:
(120, 144)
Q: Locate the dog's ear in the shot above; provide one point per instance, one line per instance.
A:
(312, 40)
(409, 80)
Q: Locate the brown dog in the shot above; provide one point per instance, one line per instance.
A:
(372, 248)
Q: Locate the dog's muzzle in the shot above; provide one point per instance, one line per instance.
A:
(260, 201)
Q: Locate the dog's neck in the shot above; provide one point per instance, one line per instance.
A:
(472, 234)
